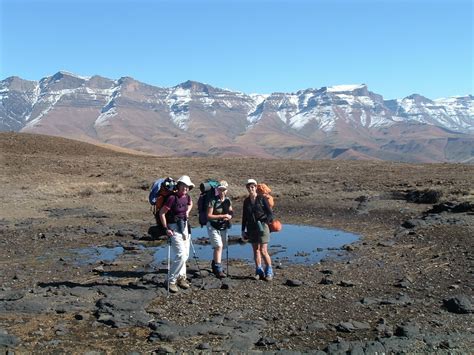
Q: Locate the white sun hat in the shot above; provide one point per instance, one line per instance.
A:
(223, 185)
(251, 181)
(186, 180)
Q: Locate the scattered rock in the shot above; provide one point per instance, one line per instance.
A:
(326, 281)
(293, 283)
(316, 326)
(345, 327)
(425, 196)
(265, 341)
(409, 329)
(203, 346)
(344, 283)
(459, 304)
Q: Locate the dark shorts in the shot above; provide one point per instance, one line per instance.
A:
(255, 237)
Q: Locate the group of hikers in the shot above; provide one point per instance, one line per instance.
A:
(172, 205)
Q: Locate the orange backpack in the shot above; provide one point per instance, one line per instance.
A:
(264, 190)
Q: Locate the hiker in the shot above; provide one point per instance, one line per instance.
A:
(174, 217)
(219, 214)
(256, 213)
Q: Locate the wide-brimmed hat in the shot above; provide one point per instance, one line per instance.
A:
(223, 185)
(186, 180)
(250, 182)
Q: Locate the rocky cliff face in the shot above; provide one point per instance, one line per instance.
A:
(345, 121)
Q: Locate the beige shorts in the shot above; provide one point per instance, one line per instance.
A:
(218, 238)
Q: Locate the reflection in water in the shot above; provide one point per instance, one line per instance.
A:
(294, 244)
(95, 254)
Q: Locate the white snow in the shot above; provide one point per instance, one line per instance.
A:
(177, 102)
(50, 100)
(111, 94)
(180, 119)
(322, 115)
(342, 88)
(103, 119)
(75, 75)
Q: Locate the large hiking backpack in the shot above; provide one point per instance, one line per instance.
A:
(159, 192)
(265, 191)
(161, 188)
(208, 192)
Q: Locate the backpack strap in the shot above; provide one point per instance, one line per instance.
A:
(265, 207)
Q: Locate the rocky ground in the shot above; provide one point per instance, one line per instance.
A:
(405, 287)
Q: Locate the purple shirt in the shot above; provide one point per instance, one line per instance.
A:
(178, 205)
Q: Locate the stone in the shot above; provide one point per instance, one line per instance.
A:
(459, 304)
(345, 327)
(293, 283)
(326, 281)
(409, 329)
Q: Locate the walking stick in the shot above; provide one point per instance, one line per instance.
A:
(227, 251)
(194, 255)
(169, 267)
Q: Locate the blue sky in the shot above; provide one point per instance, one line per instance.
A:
(396, 47)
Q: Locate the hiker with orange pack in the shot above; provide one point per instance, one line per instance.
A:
(256, 214)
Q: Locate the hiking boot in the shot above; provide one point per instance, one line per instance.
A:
(183, 283)
(269, 273)
(218, 271)
(259, 274)
(173, 288)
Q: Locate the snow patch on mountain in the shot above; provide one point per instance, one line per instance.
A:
(453, 113)
(323, 116)
(255, 109)
(110, 109)
(345, 88)
(178, 103)
(49, 100)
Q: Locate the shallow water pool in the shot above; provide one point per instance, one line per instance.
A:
(293, 244)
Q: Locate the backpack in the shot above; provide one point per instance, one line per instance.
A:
(158, 230)
(264, 190)
(159, 191)
(208, 192)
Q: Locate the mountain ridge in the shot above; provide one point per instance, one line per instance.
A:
(194, 118)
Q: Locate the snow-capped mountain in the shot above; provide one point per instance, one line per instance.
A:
(192, 118)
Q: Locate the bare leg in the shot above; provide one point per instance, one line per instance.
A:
(217, 255)
(257, 254)
(266, 257)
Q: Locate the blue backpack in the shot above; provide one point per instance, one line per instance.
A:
(163, 186)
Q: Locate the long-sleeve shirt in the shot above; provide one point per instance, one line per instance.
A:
(259, 211)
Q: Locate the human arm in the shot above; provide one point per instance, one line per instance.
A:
(244, 219)
(190, 206)
(226, 206)
(162, 215)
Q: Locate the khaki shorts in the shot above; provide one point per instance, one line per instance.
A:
(218, 238)
(255, 237)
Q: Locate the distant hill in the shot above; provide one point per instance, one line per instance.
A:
(196, 119)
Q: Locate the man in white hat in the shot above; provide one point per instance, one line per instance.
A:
(174, 217)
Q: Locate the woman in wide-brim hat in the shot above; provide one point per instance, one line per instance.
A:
(176, 225)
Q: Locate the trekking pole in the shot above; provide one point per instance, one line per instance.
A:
(169, 262)
(227, 251)
(195, 258)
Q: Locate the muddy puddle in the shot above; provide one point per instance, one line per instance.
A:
(294, 244)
